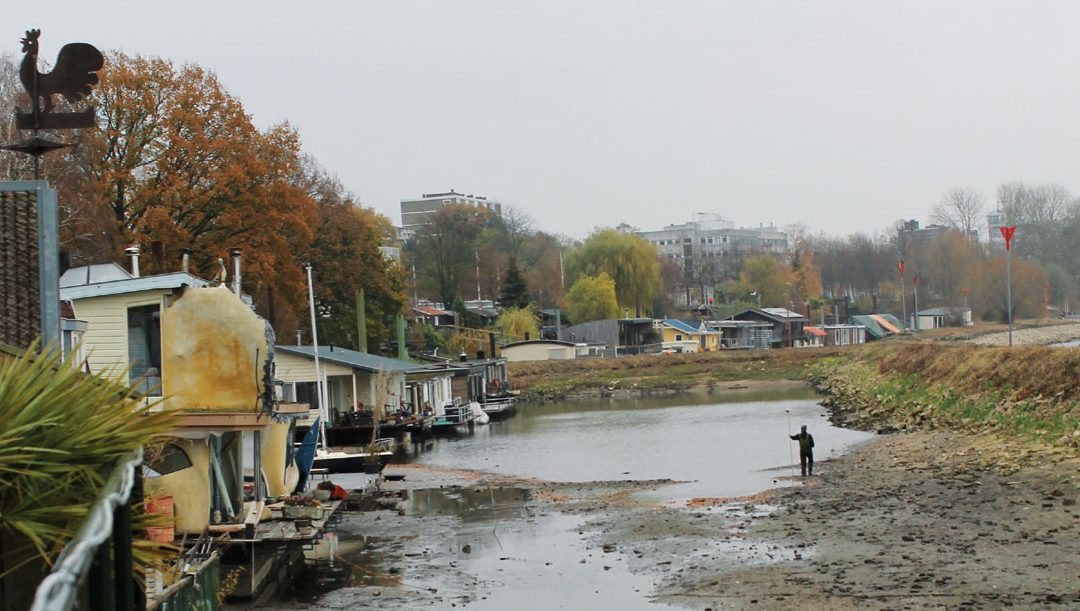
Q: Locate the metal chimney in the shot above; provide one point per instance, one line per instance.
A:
(234, 254)
(185, 260)
(133, 255)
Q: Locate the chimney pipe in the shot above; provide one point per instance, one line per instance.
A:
(235, 255)
(185, 260)
(133, 255)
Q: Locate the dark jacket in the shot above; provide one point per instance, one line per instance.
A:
(806, 442)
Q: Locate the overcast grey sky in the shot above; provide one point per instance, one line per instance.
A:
(844, 116)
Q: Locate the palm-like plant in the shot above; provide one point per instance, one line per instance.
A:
(61, 433)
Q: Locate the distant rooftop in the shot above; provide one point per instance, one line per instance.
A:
(351, 358)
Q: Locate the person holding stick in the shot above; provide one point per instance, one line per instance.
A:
(806, 450)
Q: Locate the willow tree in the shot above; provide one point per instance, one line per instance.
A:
(626, 258)
(518, 323)
(592, 298)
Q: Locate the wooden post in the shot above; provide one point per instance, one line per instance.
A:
(361, 321)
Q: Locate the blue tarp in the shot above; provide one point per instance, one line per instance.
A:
(305, 454)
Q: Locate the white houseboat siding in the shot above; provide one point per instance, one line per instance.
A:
(106, 338)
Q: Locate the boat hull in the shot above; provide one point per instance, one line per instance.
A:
(352, 463)
(500, 409)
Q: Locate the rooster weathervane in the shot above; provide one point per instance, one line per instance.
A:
(73, 77)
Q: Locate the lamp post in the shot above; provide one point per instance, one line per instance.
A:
(1007, 233)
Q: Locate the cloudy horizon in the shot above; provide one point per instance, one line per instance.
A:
(842, 116)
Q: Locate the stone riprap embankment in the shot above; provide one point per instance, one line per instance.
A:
(1034, 336)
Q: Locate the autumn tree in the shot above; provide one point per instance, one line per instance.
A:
(950, 265)
(445, 249)
(541, 267)
(177, 163)
(769, 278)
(346, 258)
(626, 258)
(991, 295)
(592, 298)
(806, 276)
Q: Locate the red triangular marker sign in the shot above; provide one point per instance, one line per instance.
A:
(1007, 233)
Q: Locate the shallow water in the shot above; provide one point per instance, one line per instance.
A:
(491, 549)
(722, 448)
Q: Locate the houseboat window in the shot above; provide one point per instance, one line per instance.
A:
(144, 348)
(170, 459)
(307, 393)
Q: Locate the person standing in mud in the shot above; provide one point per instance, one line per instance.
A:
(806, 450)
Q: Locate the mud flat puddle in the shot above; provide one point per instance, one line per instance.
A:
(566, 509)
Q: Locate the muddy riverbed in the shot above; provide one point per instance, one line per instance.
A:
(914, 520)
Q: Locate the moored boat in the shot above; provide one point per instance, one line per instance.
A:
(368, 459)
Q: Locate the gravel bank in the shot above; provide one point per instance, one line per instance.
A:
(1034, 336)
(922, 520)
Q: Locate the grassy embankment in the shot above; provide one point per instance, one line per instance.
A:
(553, 380)
(1029, 394)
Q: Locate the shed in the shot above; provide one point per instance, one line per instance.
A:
(539, 350)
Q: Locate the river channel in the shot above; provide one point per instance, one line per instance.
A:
(495, 548)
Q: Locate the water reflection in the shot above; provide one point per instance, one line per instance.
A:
(470, 504)
(724, 446)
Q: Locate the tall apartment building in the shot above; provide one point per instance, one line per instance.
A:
(416, 213)
(709, 249)
(995, 220)
(711, 236)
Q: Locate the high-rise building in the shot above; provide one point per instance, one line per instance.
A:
(709, 250)
(711, 236)
(416, 213)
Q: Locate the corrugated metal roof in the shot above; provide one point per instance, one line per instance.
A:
(93, 274)
(814, 331)
(782, 312)
(352, 358)
(172, 280)
(872, 326)
(777, 314)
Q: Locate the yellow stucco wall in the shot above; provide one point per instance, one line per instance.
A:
(190, 488)
(280, 478)
(213, 347)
